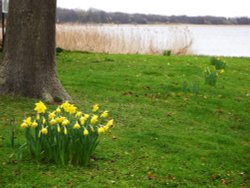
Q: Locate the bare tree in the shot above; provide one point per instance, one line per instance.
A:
(28, 68)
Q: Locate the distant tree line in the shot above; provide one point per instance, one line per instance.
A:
(99, 16)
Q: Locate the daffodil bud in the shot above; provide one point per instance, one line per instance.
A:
(85, 132)
(44, 131)
(65, 131)
(76, 126)
(58, 129)
(44, 120)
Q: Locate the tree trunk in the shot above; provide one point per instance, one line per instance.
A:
(29, 68)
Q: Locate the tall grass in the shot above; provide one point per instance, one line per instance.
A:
(124, 39)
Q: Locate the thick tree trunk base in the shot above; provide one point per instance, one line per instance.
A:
(44, 86)
(52, 91)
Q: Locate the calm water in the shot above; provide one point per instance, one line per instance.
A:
(221, 40)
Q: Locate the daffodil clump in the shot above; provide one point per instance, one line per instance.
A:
(65, 135)
(211, 75)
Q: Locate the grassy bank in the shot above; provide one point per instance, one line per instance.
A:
(163, 136)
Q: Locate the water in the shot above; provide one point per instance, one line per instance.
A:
(221, 40)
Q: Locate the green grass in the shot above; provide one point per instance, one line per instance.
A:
(162, 136)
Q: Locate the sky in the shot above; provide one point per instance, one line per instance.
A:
(226, 8)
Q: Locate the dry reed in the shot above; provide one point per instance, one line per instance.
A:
(125, 39)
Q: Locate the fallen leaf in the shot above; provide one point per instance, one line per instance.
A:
(151, 176)
(214, 177)
(169, 114)
(128, 93)
(223, 182)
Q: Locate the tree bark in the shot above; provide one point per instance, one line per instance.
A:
(28, 68)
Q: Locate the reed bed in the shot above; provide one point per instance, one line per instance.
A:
(124, 39)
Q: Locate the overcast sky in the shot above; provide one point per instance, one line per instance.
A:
(227, 8)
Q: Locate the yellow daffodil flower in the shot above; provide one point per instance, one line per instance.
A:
(40, 107)
(110, 123)
(100, 130)
(71, 109)
(24, 125)
(65, 105)
(28, 121)
(105, 114)
(94, 119)
(34, 124)
(85, 132)
(65, 122)
(44, 131)
(58, 110)
(95, 108)
(76, 126)
(78, 114)
(82, 120)
(60, 119)
(53, 122)
(106, 128)
(86, 116)
(52, 115)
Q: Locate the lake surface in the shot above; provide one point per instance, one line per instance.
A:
(221, 40)
(145, 39)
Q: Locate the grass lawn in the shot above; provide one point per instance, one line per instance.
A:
(163, 137)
